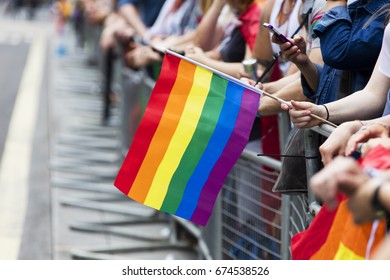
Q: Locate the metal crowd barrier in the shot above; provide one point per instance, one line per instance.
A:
(237, 229)
(249, 221)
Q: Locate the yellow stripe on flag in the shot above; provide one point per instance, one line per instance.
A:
(181, 138)
(344, 253)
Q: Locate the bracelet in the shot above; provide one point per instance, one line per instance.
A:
(327, 112)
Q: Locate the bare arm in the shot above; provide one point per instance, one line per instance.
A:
(211, 59)
(131, 15)
(355, 106)
(364, 104)
(297, 55)
(208, 33)
(293, 91)
(287, 88)
(263, 50)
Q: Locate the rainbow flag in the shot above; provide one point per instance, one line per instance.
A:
(333, 233)
(195, 126)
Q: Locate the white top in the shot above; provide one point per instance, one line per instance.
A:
(169, 23)
(384, 64)
(288, 28)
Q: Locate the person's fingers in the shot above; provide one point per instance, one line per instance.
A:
(327, 153)
(294, 56)
(297, 114)
(284, 107)
(302, 105)
(365, 134)
(352, 144)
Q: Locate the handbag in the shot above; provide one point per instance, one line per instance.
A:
(292, 177)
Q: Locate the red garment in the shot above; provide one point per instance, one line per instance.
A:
(250, 24)
(270, 145)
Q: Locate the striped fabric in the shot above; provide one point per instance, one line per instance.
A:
(333, 235)
(194, 128)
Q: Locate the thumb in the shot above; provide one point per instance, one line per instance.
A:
(300, 42)
(284, 107)
(301, 105)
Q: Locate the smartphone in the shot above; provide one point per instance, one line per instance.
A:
(273, 30)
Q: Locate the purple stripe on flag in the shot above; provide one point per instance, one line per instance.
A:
(233, 150)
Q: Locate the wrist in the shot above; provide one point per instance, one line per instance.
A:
(376, 202)
(355, 125)
(326, 113)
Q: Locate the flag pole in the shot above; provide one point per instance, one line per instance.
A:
(292, 107)
(245, 85)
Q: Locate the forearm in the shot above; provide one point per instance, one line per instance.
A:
(263, 50)
(291, 91)
(355, 107)
(230, 68)
(310, 72)
(273, 87)
(365, 104)
(181, 42)
(130, 14)
(208, 26)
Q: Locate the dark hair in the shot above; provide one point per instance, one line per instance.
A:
(385, 9)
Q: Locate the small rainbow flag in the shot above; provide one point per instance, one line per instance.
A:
(195, 127)
(333, 235)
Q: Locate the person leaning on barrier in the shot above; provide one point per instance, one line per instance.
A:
(368, 192)
(140, 15)
(96, 11)
(289, 87)
(177, 18)
(112, 23)
(365, 104)
(350, 45)
(238, 38)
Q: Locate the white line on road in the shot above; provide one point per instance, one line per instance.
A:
(16, 160)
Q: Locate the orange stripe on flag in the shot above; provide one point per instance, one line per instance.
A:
(164, 132)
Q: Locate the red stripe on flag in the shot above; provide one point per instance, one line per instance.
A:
(147, 127)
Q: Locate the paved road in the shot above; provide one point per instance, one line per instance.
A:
(23, 139)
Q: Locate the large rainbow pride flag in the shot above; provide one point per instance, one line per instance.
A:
(195, 126)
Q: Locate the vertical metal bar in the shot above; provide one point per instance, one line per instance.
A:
(312, 163)
(107, 72)
(284, 129)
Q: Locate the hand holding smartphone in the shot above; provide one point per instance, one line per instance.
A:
(277, 33)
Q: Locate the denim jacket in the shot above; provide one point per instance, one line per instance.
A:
(346, 45)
